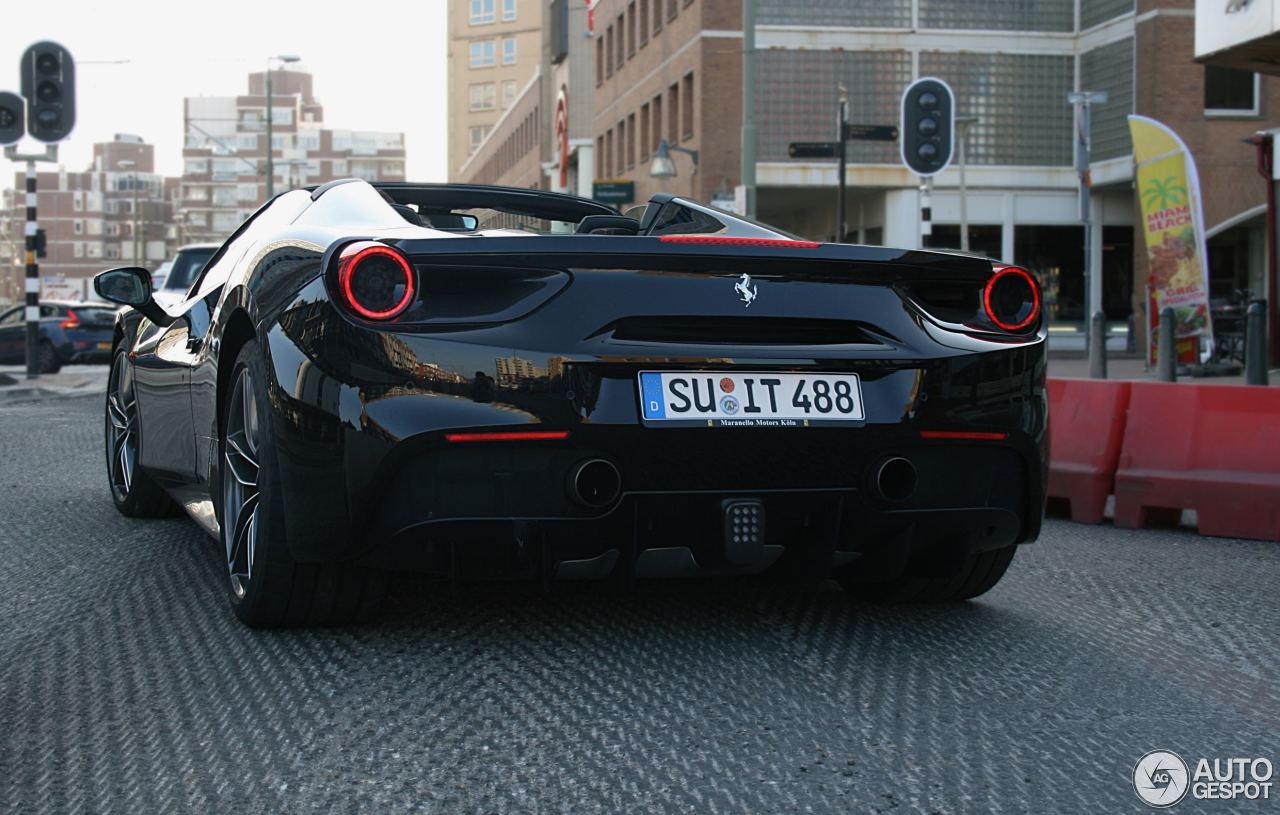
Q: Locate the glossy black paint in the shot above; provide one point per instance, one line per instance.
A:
(550, 332)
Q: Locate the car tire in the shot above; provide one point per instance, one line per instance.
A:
(47, 361)
(979, 573)
(133, 492)
(266, 586)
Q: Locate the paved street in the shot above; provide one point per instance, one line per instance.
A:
(127, 686)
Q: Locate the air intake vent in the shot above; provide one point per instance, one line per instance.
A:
(737, 331)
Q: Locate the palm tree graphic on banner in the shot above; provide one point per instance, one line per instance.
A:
(1164, 193)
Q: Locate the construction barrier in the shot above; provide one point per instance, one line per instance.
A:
(1211, 448)
(1086, 428)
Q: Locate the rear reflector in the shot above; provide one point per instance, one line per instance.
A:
(712, 240)
(963, 434)
(521, 435)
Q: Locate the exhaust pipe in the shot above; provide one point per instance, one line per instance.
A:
(594, 483)
(895, 479)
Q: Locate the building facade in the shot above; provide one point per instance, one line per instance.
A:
(119, 212)
(495, 48)
(224, 155)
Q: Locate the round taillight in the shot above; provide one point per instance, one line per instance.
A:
(376, 280)
(1012, 299)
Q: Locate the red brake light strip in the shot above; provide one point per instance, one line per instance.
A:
(519, 435)
(971, 435)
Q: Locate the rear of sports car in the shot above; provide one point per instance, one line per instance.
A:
(589, 407)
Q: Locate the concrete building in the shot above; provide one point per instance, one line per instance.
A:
(495, 48)
(671, 69)
(544, 140)
(90, 220)
(224, 156)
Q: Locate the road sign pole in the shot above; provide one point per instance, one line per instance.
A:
(843, 150)
(33, 279)
(926, 210)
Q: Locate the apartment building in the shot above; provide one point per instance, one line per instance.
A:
(117, 212)
(495, 48)
(224, 155)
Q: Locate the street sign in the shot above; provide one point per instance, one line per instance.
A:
(613, 191)
(812, 149)
(854, 132)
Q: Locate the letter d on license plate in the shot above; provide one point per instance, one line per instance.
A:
(750, 398)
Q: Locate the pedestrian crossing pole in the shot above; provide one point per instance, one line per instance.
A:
(33, 279)
(926, 210)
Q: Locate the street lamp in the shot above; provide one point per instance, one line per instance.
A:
(127, 164)
(271, 167)
(663, 166)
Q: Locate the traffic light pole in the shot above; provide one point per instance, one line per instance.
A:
(33, 266)
(842, 148)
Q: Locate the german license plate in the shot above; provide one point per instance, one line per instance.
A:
(750, 399)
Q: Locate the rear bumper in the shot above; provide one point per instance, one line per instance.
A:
(510, 513)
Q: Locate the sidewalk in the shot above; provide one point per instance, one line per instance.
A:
(1129, 367)
(72, 380)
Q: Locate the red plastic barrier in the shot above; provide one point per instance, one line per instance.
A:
(1086, 427)
(1211, 448)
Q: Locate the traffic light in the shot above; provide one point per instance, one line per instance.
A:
(928, 126)
(49, 85)
(11, 118)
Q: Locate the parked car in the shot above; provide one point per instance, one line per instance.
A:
(171, 281)
(482, 381)
(69, 332)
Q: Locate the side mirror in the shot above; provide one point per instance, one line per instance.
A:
(130, 286)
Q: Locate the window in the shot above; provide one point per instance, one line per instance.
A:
(608, 51)
(196, 166)
(247, 192)
(673, 8)
(508, 92)
(508, 9)
(1230, 92)
(645, 130)
(622, 147)
(631, 28)
(77, 227)
(482, 54)
(607, 164)
(620, 56)
(483, 96)
(78, 249)
(477, 135)
(657, 16)
(600, 62)
(482, 11)
(631, 140)
(509, 51)
(644, 22)
(77, 202)
(656, 134)
(599, 153)
(340, 168)
(686, 115)
(673, 114)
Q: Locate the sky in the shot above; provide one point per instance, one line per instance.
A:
(377, 65)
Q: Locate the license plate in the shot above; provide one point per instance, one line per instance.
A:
(104, 346)
(750, 399)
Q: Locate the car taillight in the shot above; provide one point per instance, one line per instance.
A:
(1012, 298)
(72, 320)
(376, 281)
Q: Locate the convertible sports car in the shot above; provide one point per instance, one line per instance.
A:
(488, 382)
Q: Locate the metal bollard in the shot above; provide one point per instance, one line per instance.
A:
(1166, 354)
(1255, 344)
(1098, 346)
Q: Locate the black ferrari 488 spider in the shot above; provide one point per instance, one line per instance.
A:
(479, 381)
